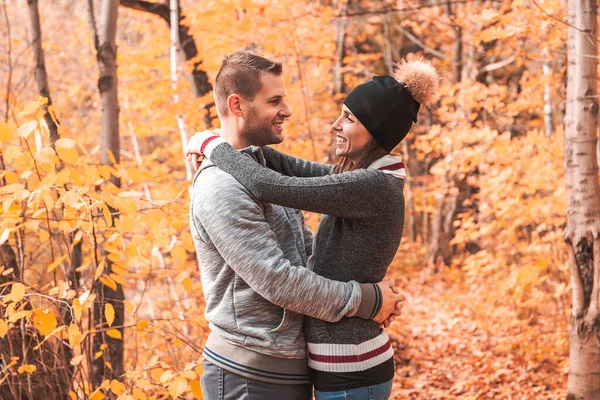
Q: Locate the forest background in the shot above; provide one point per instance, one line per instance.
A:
(100, 284)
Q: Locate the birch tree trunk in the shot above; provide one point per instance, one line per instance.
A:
(189, 173)
(583, 200)
(548, 109)
(105, 41)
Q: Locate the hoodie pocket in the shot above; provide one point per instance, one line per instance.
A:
(288, 329)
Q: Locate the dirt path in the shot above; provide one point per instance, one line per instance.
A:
(449, 345)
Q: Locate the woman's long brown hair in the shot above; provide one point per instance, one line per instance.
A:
(372, 152)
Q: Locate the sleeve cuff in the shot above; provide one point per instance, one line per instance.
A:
(371, 301)
(209, 145)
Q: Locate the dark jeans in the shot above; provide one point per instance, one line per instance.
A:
(220, 384)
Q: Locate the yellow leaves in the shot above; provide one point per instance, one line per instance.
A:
(114, 333)
(27, 128)
(109, 313)
(117, 387)
(3, 328)
(75, 361)
(177, 387)
(18, 315)
(141, 325)
(77, 309)
(166, 376)
(29, 368)
(66, 150)
(11, 188)
(16, 294)
(108, 282)
(187, 284)
(56, 263)
(44, 321)
(143, 384)
(100, 269)
(7, 132)
(4, 236)
(196, 388)
(107, 215)
(22, 194)
(74, 335)
(97, 395)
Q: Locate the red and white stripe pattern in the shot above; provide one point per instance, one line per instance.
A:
(330, 357)
(389, 164)
(203, 143)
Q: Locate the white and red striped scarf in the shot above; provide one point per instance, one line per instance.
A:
(389, 164)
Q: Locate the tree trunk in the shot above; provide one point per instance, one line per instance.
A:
(548, 109)
(457, 56)
(189, 173)
(110, 364)
(41, 76)
(583, 200)
(338, 75)
(388, 55)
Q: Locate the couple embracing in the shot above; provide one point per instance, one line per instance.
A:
(289, 311)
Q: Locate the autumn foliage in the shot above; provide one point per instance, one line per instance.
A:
(483, 261)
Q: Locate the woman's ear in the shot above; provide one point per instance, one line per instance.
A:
(234, 104)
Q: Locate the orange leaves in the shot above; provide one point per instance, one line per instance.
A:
(109, 314)
(3, 328)
(74, 335)
(16, 294)
(66, 150)
(114, 333)
(44, 321)
(6, 132)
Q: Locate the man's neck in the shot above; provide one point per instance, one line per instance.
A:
(231, 134)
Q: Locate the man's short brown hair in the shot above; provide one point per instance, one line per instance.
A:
(240, 74)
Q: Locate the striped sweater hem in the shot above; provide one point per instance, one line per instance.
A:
(333, 357)
(253, 365)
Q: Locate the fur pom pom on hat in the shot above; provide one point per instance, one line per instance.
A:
(388, 105)
(421, 80)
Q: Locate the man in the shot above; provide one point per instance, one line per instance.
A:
(253, 256)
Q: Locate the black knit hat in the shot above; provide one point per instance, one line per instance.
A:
(388, 106)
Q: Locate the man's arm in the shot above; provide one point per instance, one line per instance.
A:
(237, 227)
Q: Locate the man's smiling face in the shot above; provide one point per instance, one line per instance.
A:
(264, 116)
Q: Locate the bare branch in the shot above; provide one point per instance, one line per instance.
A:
(498, 65)
(160, 9)
(416, 41)
(92, 20)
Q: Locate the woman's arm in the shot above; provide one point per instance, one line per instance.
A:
(354, 195)
(293, 166)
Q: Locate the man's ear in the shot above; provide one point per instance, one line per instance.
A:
(234, 104)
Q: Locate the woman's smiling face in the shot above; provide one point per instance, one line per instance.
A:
(351, 135)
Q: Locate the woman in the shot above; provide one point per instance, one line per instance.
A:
(362, 203)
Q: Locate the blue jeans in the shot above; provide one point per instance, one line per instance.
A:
(375, 392)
